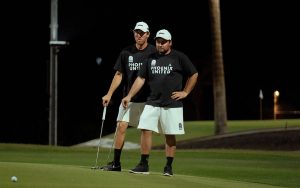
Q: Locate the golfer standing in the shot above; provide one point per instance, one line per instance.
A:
(163, 113)
(127, 65)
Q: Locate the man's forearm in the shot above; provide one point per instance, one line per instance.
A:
(115, 83)
(137, 85)
(190, 83)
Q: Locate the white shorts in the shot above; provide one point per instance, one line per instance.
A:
(162, 120)
(131, 114)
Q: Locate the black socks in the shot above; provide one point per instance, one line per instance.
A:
(169, 161)
(144, 158)
(117, 156)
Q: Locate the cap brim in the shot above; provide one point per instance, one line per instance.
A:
(144, 30)
(161, 38)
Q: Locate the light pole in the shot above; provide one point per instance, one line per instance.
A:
(55, 46)
(276, 95)
(261, 97)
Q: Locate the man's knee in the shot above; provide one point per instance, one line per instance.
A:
(122, 126)
(170, 140)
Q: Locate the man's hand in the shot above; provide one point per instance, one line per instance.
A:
(105, 100)
(178, 95)
(125, 101)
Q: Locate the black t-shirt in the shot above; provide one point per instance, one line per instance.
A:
(165, 74)
(128, 63)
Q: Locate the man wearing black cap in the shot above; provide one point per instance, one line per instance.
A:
(163, 112)
(127, 65)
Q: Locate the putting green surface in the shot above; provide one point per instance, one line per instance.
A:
(52, 175)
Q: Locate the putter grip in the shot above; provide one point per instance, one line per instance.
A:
(104, 113)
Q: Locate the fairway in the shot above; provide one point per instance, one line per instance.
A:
(50, 175)
(48, 166)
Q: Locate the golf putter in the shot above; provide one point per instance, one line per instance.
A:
(103, 118)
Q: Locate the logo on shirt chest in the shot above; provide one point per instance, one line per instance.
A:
(130, 59)
(133, 66)
(160, 69)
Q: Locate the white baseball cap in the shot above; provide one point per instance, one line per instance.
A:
(141, 26)
(165, 34)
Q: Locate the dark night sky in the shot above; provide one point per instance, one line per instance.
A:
(260, 47)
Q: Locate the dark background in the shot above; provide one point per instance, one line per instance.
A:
(260, 51)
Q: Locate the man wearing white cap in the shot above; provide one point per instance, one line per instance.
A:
(163, 113)
(127, 65)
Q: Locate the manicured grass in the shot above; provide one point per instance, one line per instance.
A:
(49, 176)
(45, 166)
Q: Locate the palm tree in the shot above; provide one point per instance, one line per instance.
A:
(220, 112)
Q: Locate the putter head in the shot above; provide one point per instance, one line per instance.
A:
(95, 167)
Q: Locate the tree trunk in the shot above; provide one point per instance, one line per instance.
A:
(220, 112)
